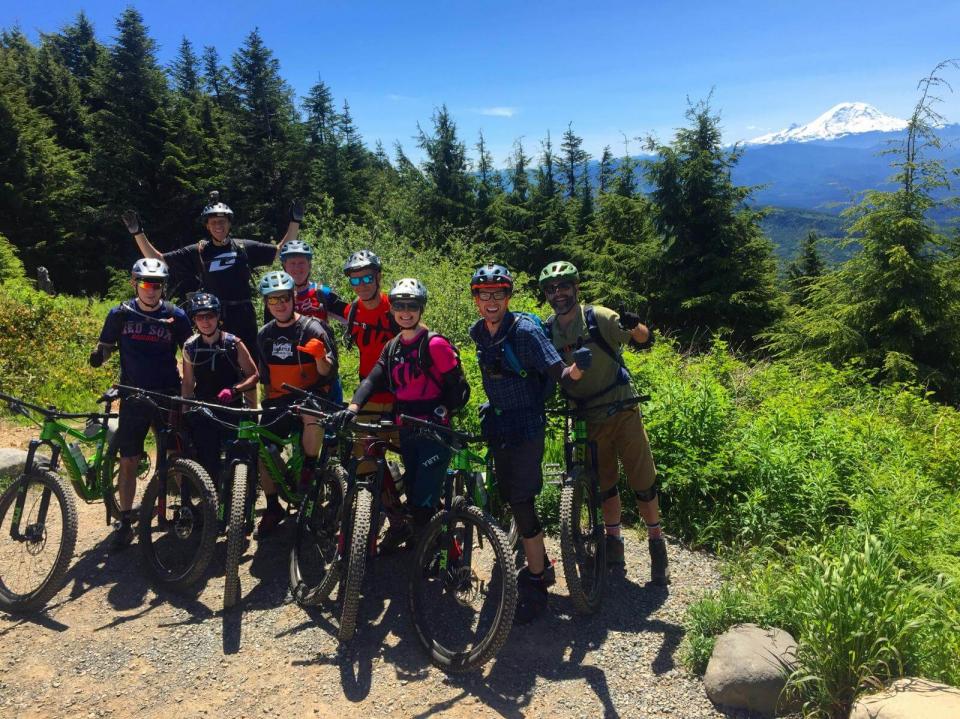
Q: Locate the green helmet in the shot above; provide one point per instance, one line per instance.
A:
(561, 270)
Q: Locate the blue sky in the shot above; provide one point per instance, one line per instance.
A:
(516, 70)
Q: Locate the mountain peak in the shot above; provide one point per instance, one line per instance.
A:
(847, 118)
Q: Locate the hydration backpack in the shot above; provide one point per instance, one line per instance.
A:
(454, 392)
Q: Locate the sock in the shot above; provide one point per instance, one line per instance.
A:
(273, 501)
(613, 530)
(310, 463)
(654, 531)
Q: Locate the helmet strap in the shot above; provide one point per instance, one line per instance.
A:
(205, 335)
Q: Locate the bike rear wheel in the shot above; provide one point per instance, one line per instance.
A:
(462, 591)
(314, 565)
(356, 564)
(582, 541)
(38, 534)
(178, 525)
(236, 522)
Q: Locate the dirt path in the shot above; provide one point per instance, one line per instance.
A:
(108, 645)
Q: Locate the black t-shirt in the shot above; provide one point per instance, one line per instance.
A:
(148, 343)
(215, 367)
(281, 361)
(225, 269)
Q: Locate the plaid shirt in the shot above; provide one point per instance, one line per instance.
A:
(517, 402)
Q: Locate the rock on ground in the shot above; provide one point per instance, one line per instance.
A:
(910, 698)
(748, 668)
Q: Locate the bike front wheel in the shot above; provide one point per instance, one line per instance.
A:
(38, 534)
(178, 525)
(463, 590)
(314, 565)
(236, 523)
(582, 541)
(356, 564)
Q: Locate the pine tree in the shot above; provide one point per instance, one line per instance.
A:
(572, 156)
(489, 183)
(717, 271)
(324, 177)
(449, 198)
(185, 72)
(215, 77)
(354, 163)
(56, 93)
(263, 171)
(625, 183)
(806, 267)
(80, 51)
(605, 174)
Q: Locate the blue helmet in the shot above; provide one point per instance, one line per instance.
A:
(276, 281)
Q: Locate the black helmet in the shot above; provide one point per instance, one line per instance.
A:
(409, 288)
(203, 302)
(215, 208)
(294, 248)
(491, 276)
(150, 269)
(360, 261)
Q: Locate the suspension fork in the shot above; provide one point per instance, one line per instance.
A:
(21, 500)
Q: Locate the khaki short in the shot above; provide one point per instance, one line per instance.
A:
(370, 413)
(623, 438)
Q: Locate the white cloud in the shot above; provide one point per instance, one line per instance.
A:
(498, 111)
(400, 98)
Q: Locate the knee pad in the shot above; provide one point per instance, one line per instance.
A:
(525, 515)
(647, 495)
(614, 491)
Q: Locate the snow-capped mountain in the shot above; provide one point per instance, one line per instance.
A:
(847, 118)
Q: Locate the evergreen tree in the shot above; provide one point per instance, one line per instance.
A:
(324, 176)
(512, 222)
(605, 174)
(215, 76)
(263, 172)
(185, 71)
(717, 270)
(449, 197)
(625, 183)
(80, 52)
(488, 181)
(806, 267)
(56, 93)
(354, 163)
(572, 156)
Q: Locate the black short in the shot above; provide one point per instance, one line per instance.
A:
(518, 468)
(276, 419)
(135, 419)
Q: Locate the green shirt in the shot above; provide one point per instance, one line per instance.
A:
(604, 368)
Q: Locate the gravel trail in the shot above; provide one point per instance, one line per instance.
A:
(110, 646)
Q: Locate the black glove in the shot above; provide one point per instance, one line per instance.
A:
(96, 357)
(296, 211)
(339, 420)
(629, 320)
(583, 358)
(132, 220)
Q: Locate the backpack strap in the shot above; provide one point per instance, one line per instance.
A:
(593, 328)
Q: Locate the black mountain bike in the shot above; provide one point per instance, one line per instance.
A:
(582, 534)
(462, 591)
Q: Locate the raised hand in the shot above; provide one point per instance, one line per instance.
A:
(314, 347)
(132, 220)
(629, 320)
(296, 211)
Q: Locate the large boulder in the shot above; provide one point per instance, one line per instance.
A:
(11, 462)
(748, 669)
(910, 698)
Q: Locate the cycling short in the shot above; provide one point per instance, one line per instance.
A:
(622, 438)
(276, 419)
(134, 422)
(518, 468)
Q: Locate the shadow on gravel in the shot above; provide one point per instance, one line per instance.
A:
(554, 648)
(42, 619)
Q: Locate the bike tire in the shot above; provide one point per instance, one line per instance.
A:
(178, 548)
(428, 580)
(314, 562)
(356, 564)
(235, 532)
(582, 542)
(110, 472)
(17, 554)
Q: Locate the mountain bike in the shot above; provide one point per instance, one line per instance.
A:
(582, 534)
(356, 535)
(462, 590)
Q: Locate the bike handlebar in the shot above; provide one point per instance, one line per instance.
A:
(443, 429)
(312, 396)
(49, 412)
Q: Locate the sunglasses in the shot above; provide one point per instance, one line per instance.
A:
(275, 300)
(402, 306)
(495, 295)
(557, 287)
(362, 279)
(148, 285)
(205, 316)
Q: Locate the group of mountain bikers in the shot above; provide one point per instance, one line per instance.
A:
(404, 368)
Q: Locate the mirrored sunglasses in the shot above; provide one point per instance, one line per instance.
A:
(149, 285)
(401, 306)
(362, 279)
(274, 300)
